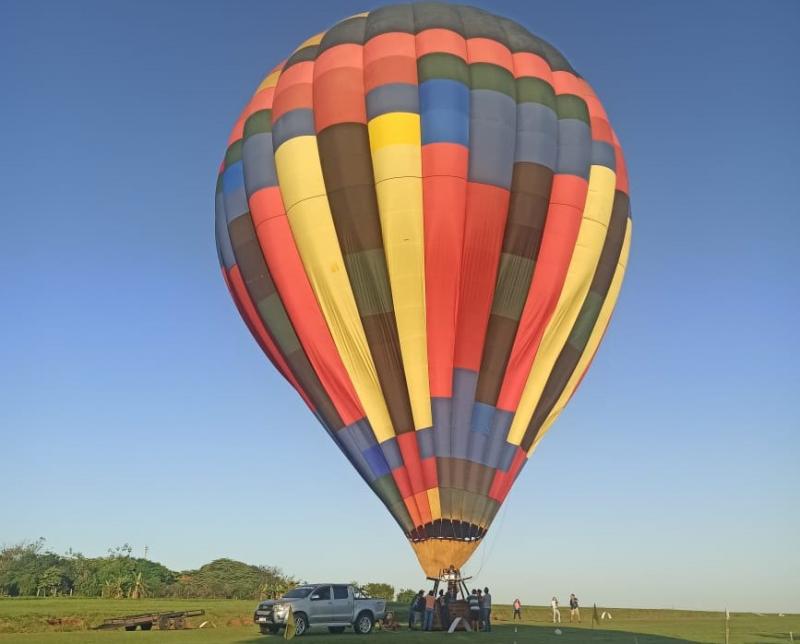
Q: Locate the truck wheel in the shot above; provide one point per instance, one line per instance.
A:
(336, 629)
(300, 624)
(147, 626)
(364, 623)
(268, 629)
(132, 627)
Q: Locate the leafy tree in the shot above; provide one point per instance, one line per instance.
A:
(25, 569)
(155, 577)
(406, 595)
(274, 583)
(83, 573)
(116, 572)
(121, 552)
(52, 580)
(233, 580)
(380, 590)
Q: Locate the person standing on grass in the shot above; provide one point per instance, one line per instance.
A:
(420, 616)
(487, 610)
(430, 606)
(574, 611)
(517, 609)
(556, 612)
(415, 610)
(474, 610)
(444, 609)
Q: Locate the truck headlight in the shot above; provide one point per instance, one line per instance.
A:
(281, 610)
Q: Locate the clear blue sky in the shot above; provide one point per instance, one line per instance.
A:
(135, 407)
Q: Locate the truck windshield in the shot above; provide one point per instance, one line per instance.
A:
(298, 593)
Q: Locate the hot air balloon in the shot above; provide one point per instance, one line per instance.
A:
(423, 218)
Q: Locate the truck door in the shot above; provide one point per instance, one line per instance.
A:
(321, 605)
(342, 604)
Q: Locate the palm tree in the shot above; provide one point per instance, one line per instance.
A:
(139, 589)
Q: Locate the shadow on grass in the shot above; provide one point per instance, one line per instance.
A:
(522, 634)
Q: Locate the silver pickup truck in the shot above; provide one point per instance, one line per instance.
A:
(336, 606)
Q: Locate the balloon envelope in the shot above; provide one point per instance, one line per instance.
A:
(423, 219)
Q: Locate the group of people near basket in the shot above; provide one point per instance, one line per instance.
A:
(423, 606)
(479, 605)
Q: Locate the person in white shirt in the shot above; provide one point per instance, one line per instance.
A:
(556, 612)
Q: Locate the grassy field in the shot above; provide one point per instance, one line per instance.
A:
(64, 621)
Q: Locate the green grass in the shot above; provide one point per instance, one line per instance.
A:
(25, 621)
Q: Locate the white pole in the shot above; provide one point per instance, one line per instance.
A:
(727, 626)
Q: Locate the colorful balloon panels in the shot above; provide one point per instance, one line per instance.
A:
(423, 218)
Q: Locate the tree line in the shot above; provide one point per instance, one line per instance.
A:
(31, 570)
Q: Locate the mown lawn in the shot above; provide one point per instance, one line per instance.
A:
(230, 624)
